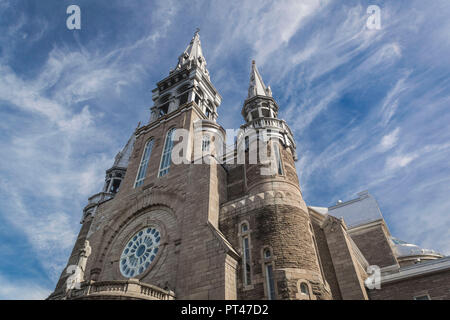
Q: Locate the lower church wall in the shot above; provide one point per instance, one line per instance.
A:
(284, 229)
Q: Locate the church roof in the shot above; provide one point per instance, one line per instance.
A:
(257, 86)
(405, 249)
(320, 210)
(122, 158)
(361, 210)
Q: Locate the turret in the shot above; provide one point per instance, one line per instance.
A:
(270, 224)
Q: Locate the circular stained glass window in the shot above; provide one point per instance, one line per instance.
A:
(139, 252)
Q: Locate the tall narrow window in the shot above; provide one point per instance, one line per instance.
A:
(278, 158)
(269, 275)
(205, 143)
(144, 163)
(166, 158)
(247, 273)
(184, 98)
(246, 254)
(270, 282)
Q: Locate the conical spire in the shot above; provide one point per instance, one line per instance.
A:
(257, 86)
(122, 158)
(193, 54)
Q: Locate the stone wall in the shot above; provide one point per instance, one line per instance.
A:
(276, 221)
(436, 285)
(184, 204)
(374, 244)
(348, 272)
(326, 261)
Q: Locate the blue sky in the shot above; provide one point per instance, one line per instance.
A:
(369, 108)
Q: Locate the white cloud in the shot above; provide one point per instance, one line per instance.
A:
(265, 26)
(391, 101)
(389, 141)
(22, 290)
(400, 161)
(56, 145)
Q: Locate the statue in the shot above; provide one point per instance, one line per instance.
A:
(77, 271)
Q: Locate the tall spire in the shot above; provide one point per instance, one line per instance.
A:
(189, 82)
(193, 54)
(257, 86)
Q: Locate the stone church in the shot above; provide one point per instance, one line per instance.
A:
(217, 226)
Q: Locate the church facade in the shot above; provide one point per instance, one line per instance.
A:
(231, 223)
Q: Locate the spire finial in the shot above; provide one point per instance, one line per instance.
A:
(257, 87)
(193, 54)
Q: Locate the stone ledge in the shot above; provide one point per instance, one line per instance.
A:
(126, 289)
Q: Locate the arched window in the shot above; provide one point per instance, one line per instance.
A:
(206, 141)
(265, 112)
(164, 99)
(198, 97)
(246, 254)
(183, 94)
(166, 157)
(144, 163)
(115, 185)
(208, 110)
(278, 158)
(304, 290)
(268, 266)
(164, 105)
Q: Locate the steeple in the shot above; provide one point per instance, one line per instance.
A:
(260, 112)
(259, 103)
(257, 86)
(193, 55)
(113, 179)
(188, 83)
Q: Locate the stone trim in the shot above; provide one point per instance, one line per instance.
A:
(417, 270)
(226, 245)
(260, 200)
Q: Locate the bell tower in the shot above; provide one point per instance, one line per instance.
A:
(268, 221)
(153, 232)
(188, 82)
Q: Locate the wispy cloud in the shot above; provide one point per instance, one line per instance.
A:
(22, 290)
(56, 146)
(369, 108)
(389, 141)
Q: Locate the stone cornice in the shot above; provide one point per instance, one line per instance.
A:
(420, 269)
(260, 200)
